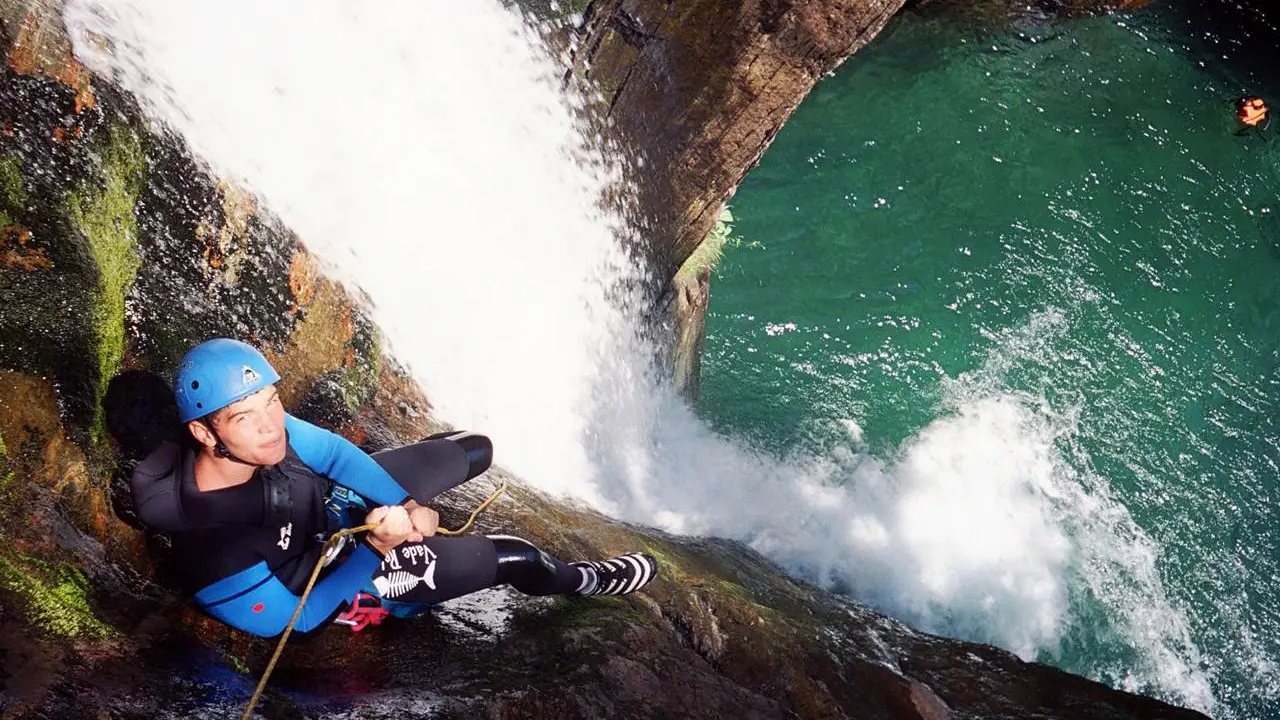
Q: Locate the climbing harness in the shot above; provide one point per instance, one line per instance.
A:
(362, 613)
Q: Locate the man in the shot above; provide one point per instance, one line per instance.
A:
(1253, 114)
(248, 504)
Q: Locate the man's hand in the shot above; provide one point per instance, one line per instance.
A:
(424, 519)
(394, 527)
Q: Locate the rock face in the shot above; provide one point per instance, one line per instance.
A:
(698, 89)
(687, 306)
(117, 251)
(695, 91)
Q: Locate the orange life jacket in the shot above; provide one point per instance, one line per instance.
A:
(1252, 111)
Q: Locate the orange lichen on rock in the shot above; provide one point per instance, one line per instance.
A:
(223, 235)
(354, 432)
(318, 343)
(63, 135)
(302, 278)
(14, 250)
(39, 451)
(43, 48)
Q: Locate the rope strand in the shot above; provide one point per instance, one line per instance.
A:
(502, 486)
(315, 573)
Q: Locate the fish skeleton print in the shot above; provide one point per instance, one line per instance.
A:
(392, 580)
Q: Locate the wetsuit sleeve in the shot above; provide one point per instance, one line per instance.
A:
(337, 458)
(255, 601)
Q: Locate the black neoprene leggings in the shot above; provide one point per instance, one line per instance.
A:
(442, 568)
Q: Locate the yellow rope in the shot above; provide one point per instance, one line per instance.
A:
(502, 486)
(284, 637)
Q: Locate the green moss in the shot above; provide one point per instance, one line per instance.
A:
(360, 381)
(728, 588)
(576, 612)
(667, 567)
(13, 196)
(672, 571)
(6, 474)
(709, 252)
(335, 397)
(103, 210)
(237, 663)
(55, 596)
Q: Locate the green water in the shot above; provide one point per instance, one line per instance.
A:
(1058, 217)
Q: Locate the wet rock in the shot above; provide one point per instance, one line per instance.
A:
(697, 90)
(687, 307)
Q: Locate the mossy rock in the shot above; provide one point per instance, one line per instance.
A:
(13, 193)
(102, 209)
(54, 595)
(100, 215)
(6, 474)
(46, 152)
(335, 397)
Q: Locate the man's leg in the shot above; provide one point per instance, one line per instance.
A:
(438, 463)
(442, 568)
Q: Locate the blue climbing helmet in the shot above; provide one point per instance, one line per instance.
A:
(218, 372)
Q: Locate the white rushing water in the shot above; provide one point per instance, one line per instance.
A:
(424, 151)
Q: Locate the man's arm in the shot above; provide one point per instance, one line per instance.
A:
(255, 601)
(336, 457)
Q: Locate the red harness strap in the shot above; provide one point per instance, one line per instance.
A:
(365, 610)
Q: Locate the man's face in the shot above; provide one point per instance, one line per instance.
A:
(253, 428)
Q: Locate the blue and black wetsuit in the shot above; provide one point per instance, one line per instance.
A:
(246, 559)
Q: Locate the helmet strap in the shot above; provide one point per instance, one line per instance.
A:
(220, 448)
